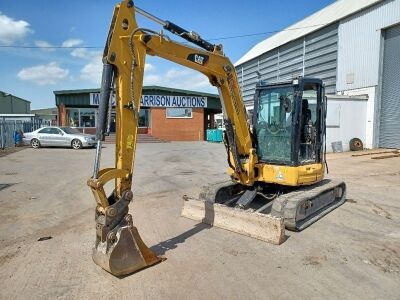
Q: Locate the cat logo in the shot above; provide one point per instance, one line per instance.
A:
(197, 58)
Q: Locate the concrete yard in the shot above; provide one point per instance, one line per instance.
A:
(352, 253)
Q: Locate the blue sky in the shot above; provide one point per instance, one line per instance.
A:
(34, 74)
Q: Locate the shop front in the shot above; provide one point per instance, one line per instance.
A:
(168, 114)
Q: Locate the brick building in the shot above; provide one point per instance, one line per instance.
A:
(166, 113)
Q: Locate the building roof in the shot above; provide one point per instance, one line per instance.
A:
(332, 13)
(188, 92)
(145, 88)
(4, 95)
(82, 91)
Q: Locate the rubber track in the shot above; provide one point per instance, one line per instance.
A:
(286, 205)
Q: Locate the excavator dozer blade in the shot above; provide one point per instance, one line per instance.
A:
(119, 249)
(256, 225)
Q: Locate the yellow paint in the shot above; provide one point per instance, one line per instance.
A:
(290, 176)
(220, 72)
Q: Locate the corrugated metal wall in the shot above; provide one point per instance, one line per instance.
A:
(360, 42)
(11, 104)
(314, 55)
(389, 129)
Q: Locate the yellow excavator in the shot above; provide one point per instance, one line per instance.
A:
(276, 168)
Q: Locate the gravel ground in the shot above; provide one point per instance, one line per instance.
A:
(352, 253)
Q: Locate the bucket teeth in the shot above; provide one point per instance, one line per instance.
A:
(119, 248)
(124, 251)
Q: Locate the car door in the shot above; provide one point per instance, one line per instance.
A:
(56, 137)
(44, 136)
(63, 138)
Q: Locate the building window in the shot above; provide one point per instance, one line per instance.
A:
(81, 117)
(73, 117)
(87, 117)
(174, 112)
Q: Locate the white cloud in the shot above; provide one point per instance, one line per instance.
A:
(92, 71)
(180, 78)
(72, 43)
(43, 74)
(12, 30)
(81, 53)
(44, 46)
(149, 67)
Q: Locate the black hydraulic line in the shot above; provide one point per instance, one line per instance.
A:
(227, 147)
(175, 29)
(189, 36)
(104, 102)
(232, 145)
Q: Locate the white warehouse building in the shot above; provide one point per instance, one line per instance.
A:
(354, 47)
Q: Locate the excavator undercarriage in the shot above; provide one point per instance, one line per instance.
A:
(298, 207)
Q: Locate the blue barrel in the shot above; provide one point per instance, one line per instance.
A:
(214, 135)
(218, 135)
(209, 135)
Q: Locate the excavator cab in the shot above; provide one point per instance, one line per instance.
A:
(288, 122)
(288, 138)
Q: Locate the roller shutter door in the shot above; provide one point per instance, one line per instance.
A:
(389, 129)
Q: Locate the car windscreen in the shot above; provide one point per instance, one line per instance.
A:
(70, 130)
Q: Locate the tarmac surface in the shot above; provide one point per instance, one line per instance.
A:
(352, 253)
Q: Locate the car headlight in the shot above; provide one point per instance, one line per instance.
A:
(87, 139)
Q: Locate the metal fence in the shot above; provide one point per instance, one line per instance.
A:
(8, 129)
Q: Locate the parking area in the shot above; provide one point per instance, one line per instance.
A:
(352, 253)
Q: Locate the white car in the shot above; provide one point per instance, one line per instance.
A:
(60, 137)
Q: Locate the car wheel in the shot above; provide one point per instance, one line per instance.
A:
(76, 144)
(35, 143)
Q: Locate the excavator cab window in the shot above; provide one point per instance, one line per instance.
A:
(309, 123)
(274, 124)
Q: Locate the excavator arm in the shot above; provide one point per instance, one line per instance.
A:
(119, 248)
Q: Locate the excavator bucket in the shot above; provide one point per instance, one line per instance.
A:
(119, 248)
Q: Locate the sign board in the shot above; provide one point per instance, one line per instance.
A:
(161, 101)
(95, 99)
